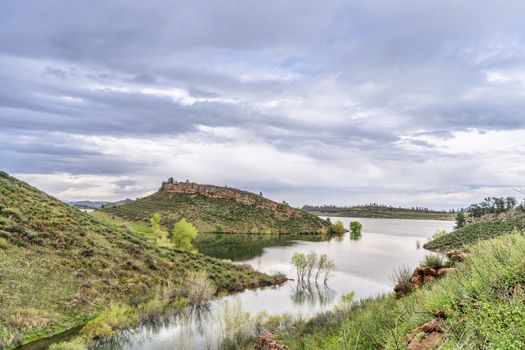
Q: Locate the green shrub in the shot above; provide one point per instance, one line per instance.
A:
(183, 234)
(4, 243)
(356, 227)
(434, 261)
(219, 228)
(338, 228)
(402, 280)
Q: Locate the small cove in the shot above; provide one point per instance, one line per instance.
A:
(364, 266)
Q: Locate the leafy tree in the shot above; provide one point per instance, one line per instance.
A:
(155, 222)
(356, 227)
(183, 233)
(460, 220)
(338, 227)
(311, 263)
(511, 203)
(328, 270)
(300, 263)
(219, 228)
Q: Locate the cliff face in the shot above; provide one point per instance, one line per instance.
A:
(217, 192)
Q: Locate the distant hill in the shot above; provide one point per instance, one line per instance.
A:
(379, 211)
(97, 204)
(59, 267)
(206, 206)
(87, 204)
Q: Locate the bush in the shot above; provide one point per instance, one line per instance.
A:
(199, 289)
(338, 228)
(183, 234)
(402, 280)
(356, 227)
(219, 228)
(433, 261)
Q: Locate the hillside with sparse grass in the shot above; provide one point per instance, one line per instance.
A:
(60, 267)
(209, 207)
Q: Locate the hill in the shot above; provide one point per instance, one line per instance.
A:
(234, 210)
(486, 228)
(88, 204)
(60, 267)
(379, 211)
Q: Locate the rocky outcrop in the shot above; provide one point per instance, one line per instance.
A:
(217, 192)
(421, 276)
(456, 255)
(266, 342)
(428, 335)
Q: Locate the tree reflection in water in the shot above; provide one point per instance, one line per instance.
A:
(188, 321)
(312, 293)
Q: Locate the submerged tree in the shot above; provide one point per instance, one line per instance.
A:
(311, 263)
(183, 233)
(338, 227)
(300, 263)
(356, 227)
(306, 265)
(328, 270)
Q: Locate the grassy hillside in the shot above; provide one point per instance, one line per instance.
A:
(478, 231)
(379, 211)
(234, 216)
(479, 306)
(60, 267)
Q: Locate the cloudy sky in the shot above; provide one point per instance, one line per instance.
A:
(404, 102)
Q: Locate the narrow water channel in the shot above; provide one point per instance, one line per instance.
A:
(363, 265)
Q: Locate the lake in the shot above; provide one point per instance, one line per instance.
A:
(364, 265)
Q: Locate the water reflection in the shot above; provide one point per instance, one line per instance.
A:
(364, 266)
(355, 236)
(246, 246)
(312, 293)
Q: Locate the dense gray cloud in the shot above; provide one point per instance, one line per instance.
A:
(310, 101)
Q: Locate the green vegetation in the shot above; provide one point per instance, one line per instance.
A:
(306, 264)
(355, 228)
(338, 228)
(479, 306)
(155, 222)
(379, 211)
(183, 234)
(434, 261)
(494, 205)
(234, 216)
(460, 220)
(478, 231)
(60, 267)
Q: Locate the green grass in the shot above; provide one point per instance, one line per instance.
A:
(478, 231)
(206, 213)
(60, 267)
(483, 301)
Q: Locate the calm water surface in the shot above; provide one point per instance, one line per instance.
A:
(364, 266)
